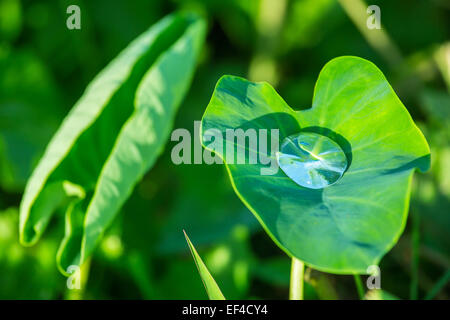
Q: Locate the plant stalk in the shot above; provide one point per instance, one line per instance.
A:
(297, 275)
(438, 286)
(359, 286)
(414, 286)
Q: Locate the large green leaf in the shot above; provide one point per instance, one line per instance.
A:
(347, 226)
(211, 287)
(111, 137)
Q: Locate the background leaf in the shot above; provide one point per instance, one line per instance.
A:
(212, 289)
(112, 136)
(28, 97)
(378, 294)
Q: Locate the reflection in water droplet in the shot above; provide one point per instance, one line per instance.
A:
(312, 160)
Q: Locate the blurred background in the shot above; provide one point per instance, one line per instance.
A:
(44, 68)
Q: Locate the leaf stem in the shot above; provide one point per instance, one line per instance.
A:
(415, 243)
(438, 286)
(359, 286)
(378, 39)
(296, 286)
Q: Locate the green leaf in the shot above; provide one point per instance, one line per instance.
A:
(28, 98)
(112, 136)
(212, 289)
(350, 225)
(437, 105)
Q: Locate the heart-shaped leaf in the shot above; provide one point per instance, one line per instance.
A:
(112, 137)
(347, 226)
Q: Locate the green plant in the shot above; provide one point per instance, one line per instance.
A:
(113, 135)
(211, 287)
(349, 225)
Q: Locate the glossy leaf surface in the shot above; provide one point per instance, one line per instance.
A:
(350, 225)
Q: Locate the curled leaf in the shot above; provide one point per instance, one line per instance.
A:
(111, 137)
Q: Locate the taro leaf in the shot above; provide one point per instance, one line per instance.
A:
(112, 137)
(347, 226)
(211, 287)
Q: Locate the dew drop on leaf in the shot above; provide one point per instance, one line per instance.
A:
(312, 160)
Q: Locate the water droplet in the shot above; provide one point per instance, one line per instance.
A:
(312, 160)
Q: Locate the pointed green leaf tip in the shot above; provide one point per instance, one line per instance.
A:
(111, 137)
(349, 225)
(212, 289)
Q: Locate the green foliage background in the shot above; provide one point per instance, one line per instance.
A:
(44, 69)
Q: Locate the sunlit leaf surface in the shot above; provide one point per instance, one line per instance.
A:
(350, 225)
